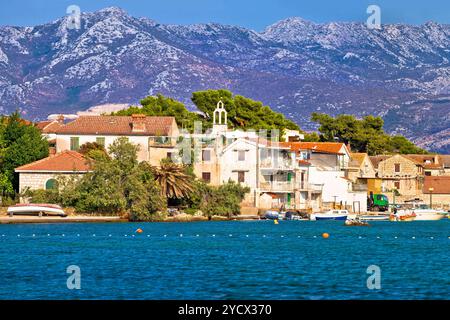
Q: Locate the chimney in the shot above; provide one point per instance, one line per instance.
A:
(138, 123)
(60, 119)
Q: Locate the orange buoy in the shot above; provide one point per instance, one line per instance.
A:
(325, 235)
(139, 230)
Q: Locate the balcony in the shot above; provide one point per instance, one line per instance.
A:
(359, 187)
(277, 186)
(277, 164)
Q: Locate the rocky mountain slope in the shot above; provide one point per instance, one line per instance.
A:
(401, 72)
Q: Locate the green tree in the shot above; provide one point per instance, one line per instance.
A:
(116, 185)
(20, 143)
(363, 135)
(243, 113)
(93, 150)
(173, 180)
(224, 200)
(163, 106)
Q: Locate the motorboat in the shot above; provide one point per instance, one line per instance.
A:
(39, 209)
(422, 212)
(402, 216)
(330, 215)
(294, 215)
(272, 215)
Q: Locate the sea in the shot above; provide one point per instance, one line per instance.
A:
(226, 260)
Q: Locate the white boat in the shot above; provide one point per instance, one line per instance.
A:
(330, 215)
(424, 213)
(36, 209)
(374, 217)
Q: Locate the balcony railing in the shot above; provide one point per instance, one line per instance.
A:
(359, 187)
(279, 163)
(277, 186)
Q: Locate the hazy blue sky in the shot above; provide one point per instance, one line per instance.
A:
(255, 14)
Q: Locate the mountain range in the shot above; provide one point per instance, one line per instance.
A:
(400, 72)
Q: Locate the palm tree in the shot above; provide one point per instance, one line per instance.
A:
(173, 179)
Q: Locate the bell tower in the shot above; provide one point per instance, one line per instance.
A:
(220, 118)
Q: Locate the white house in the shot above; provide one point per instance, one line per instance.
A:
(155, 136)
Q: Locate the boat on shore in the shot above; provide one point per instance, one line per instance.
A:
(39, 209)
(330, 215)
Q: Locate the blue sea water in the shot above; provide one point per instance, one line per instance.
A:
(226, 260)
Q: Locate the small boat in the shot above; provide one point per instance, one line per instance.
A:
(401, 216)
(355, 222)
(272, 215)
(374, 217)
(39, 209)
(293, 215)
(330, 215)
(424, 213)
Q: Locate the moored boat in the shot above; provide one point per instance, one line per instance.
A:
(423, 212)
(330, 215)
(272, 215)
(36, 209)
(374, 217)
(356, 222)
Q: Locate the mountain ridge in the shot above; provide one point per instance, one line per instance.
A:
(401, 72)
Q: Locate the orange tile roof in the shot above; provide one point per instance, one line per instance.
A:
(117, 125)
(440, 184)
(42, 124)
(50, 126)
(321, 147)
(66, 161)
(435, 161)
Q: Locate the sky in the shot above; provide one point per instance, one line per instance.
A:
(253, 14)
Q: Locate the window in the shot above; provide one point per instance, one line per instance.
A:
(241, 155)
(206, 155)
(74, 143)
(397, 167)
(51, 184)
(241, 176)
(397, 185)
(100, 141)
(206, 176)
(163, 140)
(169, 155)
(428, 173)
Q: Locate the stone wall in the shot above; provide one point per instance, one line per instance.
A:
(37, 180)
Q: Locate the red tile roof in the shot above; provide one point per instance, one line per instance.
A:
(321, 147)
(118, 125)
(440, 184)
(50, 126)
(66, 161)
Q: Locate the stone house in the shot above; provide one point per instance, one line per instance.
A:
(43, 174)
(155, 136)
(437, 191)
(401, 175)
